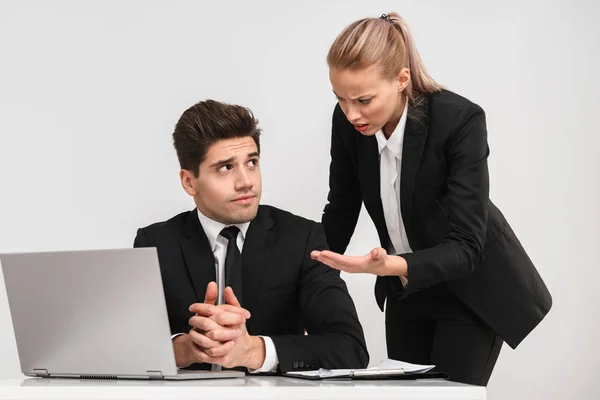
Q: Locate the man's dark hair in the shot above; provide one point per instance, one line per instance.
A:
(207, 122)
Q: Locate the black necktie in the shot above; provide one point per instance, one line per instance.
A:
(233, 262)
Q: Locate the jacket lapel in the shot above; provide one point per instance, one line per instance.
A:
(369, 177)
(415, 136)
(199, 258)
(257, 246)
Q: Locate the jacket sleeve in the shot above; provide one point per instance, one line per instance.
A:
(467, 203)
(344, 199)
(335, 337)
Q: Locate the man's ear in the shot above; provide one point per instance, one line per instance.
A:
(187, 181)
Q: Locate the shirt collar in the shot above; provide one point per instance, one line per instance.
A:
(396, 140)
(212, 229)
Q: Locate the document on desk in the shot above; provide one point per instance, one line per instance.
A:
(386, 368)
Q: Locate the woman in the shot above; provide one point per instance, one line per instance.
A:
(457, 281)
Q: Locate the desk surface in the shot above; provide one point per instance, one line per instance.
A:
(251, 387)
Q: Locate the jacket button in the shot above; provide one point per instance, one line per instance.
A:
(295, 365)
(301, 364)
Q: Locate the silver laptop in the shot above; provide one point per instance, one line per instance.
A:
(93, 314)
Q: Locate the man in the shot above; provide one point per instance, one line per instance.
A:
(251, 309)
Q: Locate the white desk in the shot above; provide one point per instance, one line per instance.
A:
(266, 387)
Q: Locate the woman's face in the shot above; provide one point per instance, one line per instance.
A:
(369, 100)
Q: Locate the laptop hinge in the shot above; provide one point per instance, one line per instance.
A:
(43, 373)
(155, 374)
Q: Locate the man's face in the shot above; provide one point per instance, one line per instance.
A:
(229, 184)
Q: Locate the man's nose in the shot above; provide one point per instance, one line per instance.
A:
(243, 180)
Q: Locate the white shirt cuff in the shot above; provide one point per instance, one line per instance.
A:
(173, 337)
(271, 359)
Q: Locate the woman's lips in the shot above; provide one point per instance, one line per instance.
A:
(361, 127)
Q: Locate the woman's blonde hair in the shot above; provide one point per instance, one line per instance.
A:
(386, 41)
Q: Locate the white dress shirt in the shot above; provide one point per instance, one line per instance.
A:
(218, 244)
(390, 161)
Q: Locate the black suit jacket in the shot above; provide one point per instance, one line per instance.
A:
(283, 288)
(457, 234)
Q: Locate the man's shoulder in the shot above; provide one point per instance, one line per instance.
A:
(293, 231)
(168, 226)
(286, 220)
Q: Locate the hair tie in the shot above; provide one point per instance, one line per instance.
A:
(386, 18)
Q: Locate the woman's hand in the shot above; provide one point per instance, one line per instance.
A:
(376, 262)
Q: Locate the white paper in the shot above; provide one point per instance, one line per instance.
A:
(385, 366)
(407, 367)
(323, 373)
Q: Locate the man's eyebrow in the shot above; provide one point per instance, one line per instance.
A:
(222, 162)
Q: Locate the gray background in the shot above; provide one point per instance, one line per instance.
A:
(90, 92)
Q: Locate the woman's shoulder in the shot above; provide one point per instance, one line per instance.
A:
(449, 114)
(446, 103)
